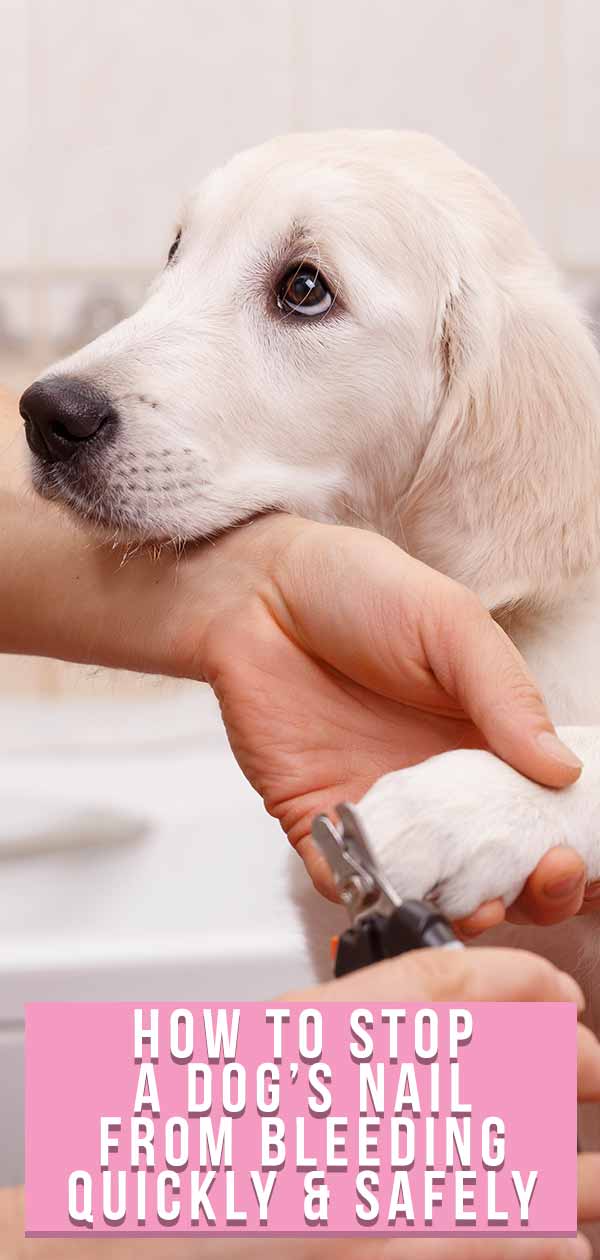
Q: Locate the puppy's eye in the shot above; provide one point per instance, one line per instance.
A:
(304, 291)
(174, 248)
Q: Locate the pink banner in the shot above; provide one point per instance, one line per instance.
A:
(265, 1119)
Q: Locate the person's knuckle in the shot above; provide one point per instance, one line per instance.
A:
(444, 972)
(524, 690)
(537, 974)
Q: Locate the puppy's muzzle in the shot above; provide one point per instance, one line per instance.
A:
(62, 414)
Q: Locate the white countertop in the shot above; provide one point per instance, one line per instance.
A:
(204, 906)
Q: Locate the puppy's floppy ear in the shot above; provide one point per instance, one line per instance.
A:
(507, 495)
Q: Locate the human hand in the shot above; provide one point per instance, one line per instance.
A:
(337, 615)
(434, 975)
(337, 658)
(478, 975)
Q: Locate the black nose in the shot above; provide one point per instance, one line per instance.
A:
(61, 413)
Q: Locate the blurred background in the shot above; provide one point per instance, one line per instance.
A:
(111, 111)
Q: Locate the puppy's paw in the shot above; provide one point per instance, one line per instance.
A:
(462, 828)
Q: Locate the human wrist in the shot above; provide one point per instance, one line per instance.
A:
(68, 595)
(229, 581)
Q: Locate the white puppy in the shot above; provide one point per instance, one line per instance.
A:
(357, 327)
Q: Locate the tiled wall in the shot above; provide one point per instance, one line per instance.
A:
(110, 110)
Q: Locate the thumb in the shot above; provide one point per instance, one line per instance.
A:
(451, 975)
(488, 676)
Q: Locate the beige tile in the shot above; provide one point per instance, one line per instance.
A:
(23, 676)
(79, 307)
(35, 676)
(14, 456)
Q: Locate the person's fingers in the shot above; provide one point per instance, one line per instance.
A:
(554, 891)
(591, 900)
(447, 975)
(479, 664)
(588, 1065)
(317, 867)
(485, 1249)
(588, 1188)
(489, 915)
(408, 1249)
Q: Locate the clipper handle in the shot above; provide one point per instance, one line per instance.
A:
(413, 925)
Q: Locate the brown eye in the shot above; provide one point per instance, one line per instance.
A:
(304, 291)
(174, 248)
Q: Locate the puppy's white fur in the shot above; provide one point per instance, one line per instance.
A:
(450, 400)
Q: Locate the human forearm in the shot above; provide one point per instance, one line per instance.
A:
(67, 594)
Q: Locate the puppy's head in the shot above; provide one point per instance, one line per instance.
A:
(289, 337)
(333, 311)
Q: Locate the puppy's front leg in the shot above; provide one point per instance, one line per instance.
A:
(467, 828)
